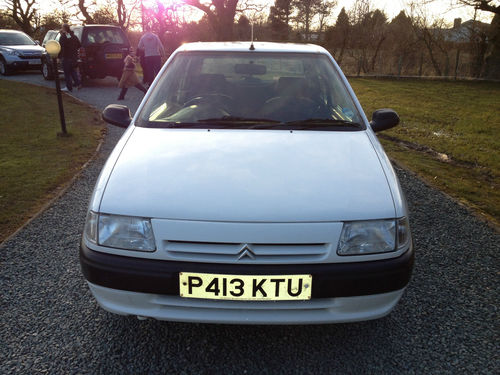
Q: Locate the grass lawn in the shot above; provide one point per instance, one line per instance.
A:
(34, 161)
(459, 122)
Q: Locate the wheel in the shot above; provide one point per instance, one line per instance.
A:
(5, 70)
(47, 71)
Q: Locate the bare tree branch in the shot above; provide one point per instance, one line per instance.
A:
(85, 13)
(24, 13)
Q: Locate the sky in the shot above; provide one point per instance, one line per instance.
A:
(438, 8)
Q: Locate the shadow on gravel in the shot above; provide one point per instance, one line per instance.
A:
(210, 348)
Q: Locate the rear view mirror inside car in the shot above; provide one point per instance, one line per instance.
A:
(251, 69)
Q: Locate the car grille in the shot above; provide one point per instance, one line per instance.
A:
(30, 57)
(245, 253)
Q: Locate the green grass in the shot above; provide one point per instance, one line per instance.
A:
(459, 119)
(34, 161)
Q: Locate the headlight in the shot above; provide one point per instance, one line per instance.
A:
(374, 236)
(122, 232)
(13, 52)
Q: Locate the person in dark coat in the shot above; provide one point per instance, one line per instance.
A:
(69, 54)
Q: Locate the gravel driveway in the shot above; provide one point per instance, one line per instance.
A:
(447, 321)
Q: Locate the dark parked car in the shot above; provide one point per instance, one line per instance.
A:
(18, 52)
(103, 49)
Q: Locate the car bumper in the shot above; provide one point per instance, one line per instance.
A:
(23, 64)
(98, 69)
(341, 292)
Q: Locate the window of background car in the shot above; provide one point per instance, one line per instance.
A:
(103, 35)
(279, 87)
(78, 32)
(15, 39)
(49, 36)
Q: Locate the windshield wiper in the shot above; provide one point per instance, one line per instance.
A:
(235, 122)
(315, 123)
(308, 124)
(239, 120)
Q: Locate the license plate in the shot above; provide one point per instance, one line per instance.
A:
(245, 287)
(35, 62)
(113, 55)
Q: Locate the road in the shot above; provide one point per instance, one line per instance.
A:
(97, 92)
(447, 322)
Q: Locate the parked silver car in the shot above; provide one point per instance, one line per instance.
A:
(249, 188)
(18, 52)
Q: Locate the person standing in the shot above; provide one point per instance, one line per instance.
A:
(153, 51)
(129, 78)
(69, 54)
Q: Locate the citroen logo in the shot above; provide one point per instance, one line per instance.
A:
(246, 251)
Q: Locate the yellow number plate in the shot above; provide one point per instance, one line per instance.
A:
(114, 56)
(245, 287)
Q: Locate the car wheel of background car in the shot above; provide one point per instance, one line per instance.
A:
(4, 69)
(47, 71)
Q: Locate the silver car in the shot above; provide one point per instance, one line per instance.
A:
(249, 188)
(18, 52)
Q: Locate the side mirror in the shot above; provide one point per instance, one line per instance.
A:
(383, 119)
(116, 114)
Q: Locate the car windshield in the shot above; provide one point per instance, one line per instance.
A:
(104, 35)
(15, 39)
(251, 90)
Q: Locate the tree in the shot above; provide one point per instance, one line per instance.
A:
(492, 61)
(104, 16)
(6, 21)
(484, 5)
(306, 10)
(84, 12)
(402, 40)
(369, 31)
(117, 12)
(324, 11)
(431, 35)
(243, 28)
(220, 14)
(24, 13)
(492, 53)
(338, 36)
(279, 19)
(124, 15)
(52, 21)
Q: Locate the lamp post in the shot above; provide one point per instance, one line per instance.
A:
(53, 48)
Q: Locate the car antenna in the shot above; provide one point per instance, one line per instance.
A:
(252, 48)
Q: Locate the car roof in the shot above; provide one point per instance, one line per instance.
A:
(95, 26)
(258, 47)
(11, 31)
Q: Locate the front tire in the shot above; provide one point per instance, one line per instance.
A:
(5, 70)
(47, 71)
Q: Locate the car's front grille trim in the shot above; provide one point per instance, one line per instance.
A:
(244, 252)
(30, 57)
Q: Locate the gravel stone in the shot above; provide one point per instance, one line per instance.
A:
(446, 322)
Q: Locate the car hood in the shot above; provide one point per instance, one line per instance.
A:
(248, 175)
